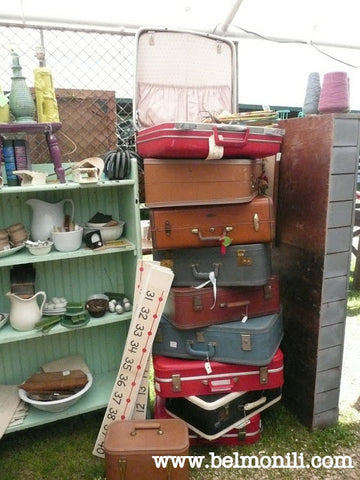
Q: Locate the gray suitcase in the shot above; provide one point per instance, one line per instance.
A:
(241, 265)
(253, 342)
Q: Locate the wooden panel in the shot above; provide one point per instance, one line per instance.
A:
(343, 160)
(340, 214)
(330, 358)
(328, 380)
(332, 312)
(336, 264)
(331, 335)
(324, 419)
(326, 400)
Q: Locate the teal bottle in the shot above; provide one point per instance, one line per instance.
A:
(21, 103)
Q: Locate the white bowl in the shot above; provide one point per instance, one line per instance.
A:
(68, 241)
(56, 405)
(95, 226)
(107, 233)
(39, 248)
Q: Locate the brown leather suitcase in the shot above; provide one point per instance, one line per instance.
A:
(209, 225)
(188, 307)
(198, 182)
(130, 446)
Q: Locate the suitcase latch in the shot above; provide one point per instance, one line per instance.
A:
(200, 337)
(242, 260)
(197, 303)
(122, 468)
(176, 382)
(246, 342)
(256, 222)
(267, 291)
(167, 228)
(264, 375)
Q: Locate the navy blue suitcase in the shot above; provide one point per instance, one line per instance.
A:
(253, 342)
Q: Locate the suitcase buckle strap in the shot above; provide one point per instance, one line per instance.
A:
(212, 280)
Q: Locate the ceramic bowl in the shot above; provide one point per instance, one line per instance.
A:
(107, 233)
(97, 305)
(56, 405)
(40, 247)
(68, 241)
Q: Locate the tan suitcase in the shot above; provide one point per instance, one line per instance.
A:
(130, 446)
(208, 225)
(196, 182)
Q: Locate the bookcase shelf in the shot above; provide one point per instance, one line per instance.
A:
(48, 129)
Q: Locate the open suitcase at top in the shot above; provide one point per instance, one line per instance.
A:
(181, 79)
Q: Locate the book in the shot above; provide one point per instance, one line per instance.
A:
(9, 162)
(22, 159)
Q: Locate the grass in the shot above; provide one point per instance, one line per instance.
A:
(63, 450)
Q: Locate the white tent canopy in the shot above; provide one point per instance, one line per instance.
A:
(279, 41)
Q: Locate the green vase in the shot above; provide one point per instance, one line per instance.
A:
(22, 105)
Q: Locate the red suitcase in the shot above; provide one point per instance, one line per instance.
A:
(175, 377)
(190, 307)
(207, 226)
(248, 433)
(208, 141)
(181, 79)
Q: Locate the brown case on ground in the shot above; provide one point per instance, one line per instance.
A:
(206, 226)
(55, 381)
(131, 444)
(200, 182)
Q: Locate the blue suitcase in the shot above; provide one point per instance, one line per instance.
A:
(253, 342)
(241, 265)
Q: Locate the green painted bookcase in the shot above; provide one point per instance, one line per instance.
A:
(75, 276)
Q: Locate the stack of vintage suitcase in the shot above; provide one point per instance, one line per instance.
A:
(216, 356)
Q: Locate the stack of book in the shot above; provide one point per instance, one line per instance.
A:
(15, 156)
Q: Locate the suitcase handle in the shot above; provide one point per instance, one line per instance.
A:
(146, 426)
(245, 303)
(257, 403)
(209, 353)
(197, 232)
(201, 275)
(238, 142)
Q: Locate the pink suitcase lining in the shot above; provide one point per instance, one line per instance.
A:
(174, 83)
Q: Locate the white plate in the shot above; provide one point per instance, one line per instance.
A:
(5, 253)
(3, 319)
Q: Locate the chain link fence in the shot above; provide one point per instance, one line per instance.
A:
(93, 78)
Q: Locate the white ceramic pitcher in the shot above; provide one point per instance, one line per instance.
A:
(46, 215)
(25, 312)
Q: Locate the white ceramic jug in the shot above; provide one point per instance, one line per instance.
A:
(45, 216)
(25, 312)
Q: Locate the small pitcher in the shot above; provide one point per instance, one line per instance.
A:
(25, 312)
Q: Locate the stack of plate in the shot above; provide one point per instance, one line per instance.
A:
(56, 306)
